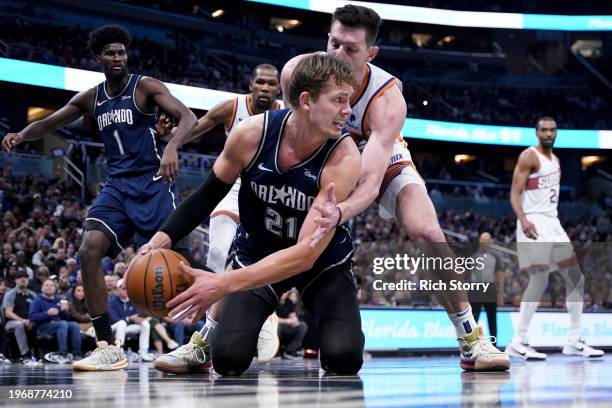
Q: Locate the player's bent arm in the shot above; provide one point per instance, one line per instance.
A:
(216, 115)
(342, 169)
(524, 167)
(386, 119)
(156, 90)
(286, 74)
(80, 104)
(239, 151)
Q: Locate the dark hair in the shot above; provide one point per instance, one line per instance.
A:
(541, 118)
(359, 17)
(108, 34)
(269, 67)
(312, 73)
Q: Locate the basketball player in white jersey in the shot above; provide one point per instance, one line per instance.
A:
(224, 220)
(542, 244)
(388, 174)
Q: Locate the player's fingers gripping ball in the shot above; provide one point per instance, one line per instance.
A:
(155, 279)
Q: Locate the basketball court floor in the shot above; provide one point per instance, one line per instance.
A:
(383, 382)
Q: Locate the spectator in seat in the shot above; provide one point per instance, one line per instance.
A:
(16, 307)
(77, 309)
(111, 284)
(40, 256)
(50, 313)
(291, 330)
(3, 352)
(42, 274)
(125, 319)
(160, 333)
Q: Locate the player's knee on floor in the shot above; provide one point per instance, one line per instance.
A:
(230, 356)
(342, 354)
(346, 362)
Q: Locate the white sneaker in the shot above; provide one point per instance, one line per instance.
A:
(188, 358)
(578, 348)
(478, 354)
(31, 362)
(106, 357)
(147, 357)
(268, 342)
(524, 351)
(173, 345)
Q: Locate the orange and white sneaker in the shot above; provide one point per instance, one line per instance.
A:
(268, 342)
(478, 354)
(107, 357)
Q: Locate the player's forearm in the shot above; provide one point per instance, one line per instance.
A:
(195, 208)
(271, 269)
(184, 130)
(361, 198)
(515, 200)
(35, 130)
(204, 125)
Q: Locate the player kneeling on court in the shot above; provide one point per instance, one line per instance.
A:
(284, 158)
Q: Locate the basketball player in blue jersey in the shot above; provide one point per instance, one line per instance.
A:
(388, 175)
(134, 199)
(224, 220)
(287, 160)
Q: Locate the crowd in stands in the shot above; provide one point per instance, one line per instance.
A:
(41, 287)
(498, 104)
(508, 105)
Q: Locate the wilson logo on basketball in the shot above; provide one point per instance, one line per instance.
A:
(155, 279)
(158, 290)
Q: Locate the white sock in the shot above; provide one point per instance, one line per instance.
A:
(575, 312)
(525, 314)
(463, 321)
(538, 280)
(574, 298)
(209, 327)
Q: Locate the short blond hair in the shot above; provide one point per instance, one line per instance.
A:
(312, 73)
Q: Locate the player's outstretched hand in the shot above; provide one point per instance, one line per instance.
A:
(205, 290)
(10, 140)
(329, 215)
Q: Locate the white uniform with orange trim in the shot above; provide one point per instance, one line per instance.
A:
(229, 205)
(401, 170)
(222, 231)
(539, 202)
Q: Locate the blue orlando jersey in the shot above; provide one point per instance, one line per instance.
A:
(274, 204)
(127, 132)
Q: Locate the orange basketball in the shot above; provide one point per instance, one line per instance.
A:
(155, 279)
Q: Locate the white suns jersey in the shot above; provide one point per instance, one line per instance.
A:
(541, 193)
(375, 82)
(242, 110)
